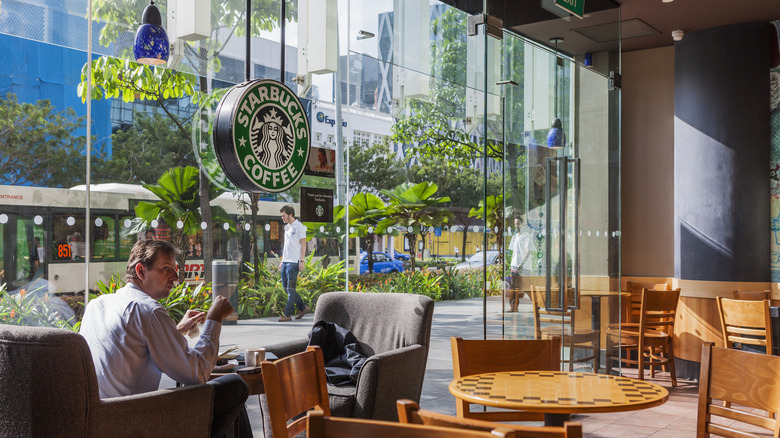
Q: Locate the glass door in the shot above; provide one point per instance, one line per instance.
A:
(561, 201)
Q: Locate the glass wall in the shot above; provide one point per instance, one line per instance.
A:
(456, 162)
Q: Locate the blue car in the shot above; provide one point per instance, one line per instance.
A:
(382, 263)
(401, 256)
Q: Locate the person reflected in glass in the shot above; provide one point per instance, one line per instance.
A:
(521, 263)
(556, 138)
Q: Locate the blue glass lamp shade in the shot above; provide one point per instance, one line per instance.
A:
(151, 42)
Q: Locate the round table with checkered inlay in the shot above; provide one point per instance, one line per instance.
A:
(558, 394)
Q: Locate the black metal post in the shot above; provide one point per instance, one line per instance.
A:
(282, 17)
(248, 57)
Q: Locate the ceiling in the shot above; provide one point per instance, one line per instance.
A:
(646, 23)
(692, 15)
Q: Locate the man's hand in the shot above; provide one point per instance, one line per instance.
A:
(191, 319)
(220, 308)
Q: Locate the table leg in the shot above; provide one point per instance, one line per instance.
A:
(556, 419)
(595, 322)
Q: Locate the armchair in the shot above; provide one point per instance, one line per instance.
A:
(48, 387)
(393, 330)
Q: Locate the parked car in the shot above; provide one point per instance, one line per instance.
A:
(401, 256)
(382, 263)
(476, 261)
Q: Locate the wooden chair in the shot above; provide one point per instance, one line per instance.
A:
(745, 322)
(562, 324)
(323, 426)
(753, 295)
(489, 356)
(633, 308)
(410, 412)
(732, 384)
(294, 385)
(653, 338)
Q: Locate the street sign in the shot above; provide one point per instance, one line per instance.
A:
(576, 7)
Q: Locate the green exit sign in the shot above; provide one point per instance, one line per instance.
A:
(576, 7)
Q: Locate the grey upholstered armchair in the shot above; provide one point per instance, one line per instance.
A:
(394, 331)
(48, 388)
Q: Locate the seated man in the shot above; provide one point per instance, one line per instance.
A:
(133, 339)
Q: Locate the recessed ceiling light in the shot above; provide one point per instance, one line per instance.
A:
(667, 1)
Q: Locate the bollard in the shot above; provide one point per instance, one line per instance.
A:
(225, 281)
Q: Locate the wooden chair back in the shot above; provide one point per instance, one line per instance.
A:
(294, 385)
(634, 305)
(753, 295)
(543, 315)
(745, 322)
(410, 412)
(471, 357)
(732, 384)
(659, 310)
(651, 340)
(323, 426)
(561, 322)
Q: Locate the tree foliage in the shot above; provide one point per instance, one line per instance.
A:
(142, 152)
(415, 207)
(491, 210)
(35, 141)
(178, 191)
(227, 20)
(130, 81)
(366, 212)
(435, 125)
(373, 168)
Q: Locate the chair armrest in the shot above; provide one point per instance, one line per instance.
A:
(387, 377)
(182, 411)
(284, 349)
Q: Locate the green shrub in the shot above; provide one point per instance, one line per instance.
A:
(458, 285)
(31, 308)
(268, 298)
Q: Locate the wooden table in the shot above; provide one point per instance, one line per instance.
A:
(558, 394)
(595, 307)
(253, 380)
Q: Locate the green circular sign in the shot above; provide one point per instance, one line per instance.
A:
(262, 136)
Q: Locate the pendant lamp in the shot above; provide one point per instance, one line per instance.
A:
(151, 42)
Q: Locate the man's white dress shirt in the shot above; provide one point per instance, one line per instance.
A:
(134, 340)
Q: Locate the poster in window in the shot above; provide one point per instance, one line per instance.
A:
(321, 162)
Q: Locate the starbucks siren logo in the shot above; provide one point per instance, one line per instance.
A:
(270, 137)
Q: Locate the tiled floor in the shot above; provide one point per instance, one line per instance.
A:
(675, 418)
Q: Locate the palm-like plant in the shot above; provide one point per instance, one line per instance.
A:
(179, 208)
(415, 206)
(328, 232)
(366, 212)
(491, 210)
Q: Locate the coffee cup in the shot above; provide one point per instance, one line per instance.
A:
(253, 356)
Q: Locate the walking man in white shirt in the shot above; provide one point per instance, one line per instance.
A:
(133, 339)
(293, 254)
(522, 247)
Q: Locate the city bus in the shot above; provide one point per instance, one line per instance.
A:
(43, 235)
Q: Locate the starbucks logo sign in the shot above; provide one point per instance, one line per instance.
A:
(261, 136)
